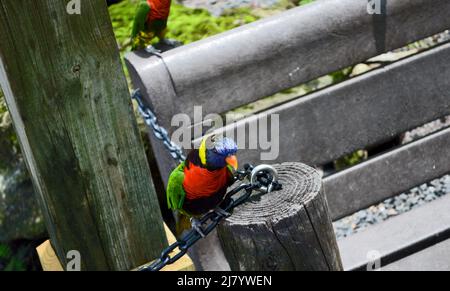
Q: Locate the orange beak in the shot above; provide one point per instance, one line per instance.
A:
(232, 162)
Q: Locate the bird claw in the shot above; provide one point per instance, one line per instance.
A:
(197, 226)
(152, 50)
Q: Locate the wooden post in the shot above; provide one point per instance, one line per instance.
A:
(286, 230)
(69, 101)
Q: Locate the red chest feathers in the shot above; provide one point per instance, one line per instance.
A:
(159, 9)
(199, 182)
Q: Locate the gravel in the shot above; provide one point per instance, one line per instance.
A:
(392, 207)
(426, 129)
(218, 7)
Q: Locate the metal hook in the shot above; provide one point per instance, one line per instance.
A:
(264, 169)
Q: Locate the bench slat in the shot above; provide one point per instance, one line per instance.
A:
(399, 236)
(389, 174)
(360, 112)
(435, 258)
(265, 57)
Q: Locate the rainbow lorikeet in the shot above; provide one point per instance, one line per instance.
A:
(150, 21)
(199, 184)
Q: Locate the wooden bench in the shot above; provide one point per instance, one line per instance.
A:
(260, 59)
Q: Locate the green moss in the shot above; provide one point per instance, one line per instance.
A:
(2, 104)
(189, 25)
(341, 75)
(350, 160)
(10, 261)
(304, 2)
(9, 146)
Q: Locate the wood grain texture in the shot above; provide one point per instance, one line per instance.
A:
(48, 258)
(284, 230)
(69, 101)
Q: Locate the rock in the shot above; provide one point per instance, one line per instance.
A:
(392, 212)
(423, 187)
(429, 198)
(392, 56)
(20, 216)
(425, 130)
(360, 69)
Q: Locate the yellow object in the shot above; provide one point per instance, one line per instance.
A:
(143, 39)
(50, 261)
(202, 151)
(48, 258)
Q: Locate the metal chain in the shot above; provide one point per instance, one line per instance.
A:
(159, 132)
(262, 178)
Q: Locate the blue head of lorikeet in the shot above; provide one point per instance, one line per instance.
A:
(219, 153)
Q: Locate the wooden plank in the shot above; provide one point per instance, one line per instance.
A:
(48, 258)
(435, 258)
(399, 236)
(69, 101)
(184, 264)
(283, 51)
(360, 112)
(50, 262)
(389, 174)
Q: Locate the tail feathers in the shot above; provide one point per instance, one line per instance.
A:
(183, 223)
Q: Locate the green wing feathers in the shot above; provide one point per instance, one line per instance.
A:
(175, 191)
(140, 18)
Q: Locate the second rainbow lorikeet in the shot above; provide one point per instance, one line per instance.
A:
(150, 21)
(199, 184)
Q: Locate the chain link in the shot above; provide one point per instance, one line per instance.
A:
(159, 132)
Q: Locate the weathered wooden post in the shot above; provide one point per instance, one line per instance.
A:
(285, 230)
(68, 98)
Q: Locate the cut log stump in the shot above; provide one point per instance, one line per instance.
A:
(290, 229)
